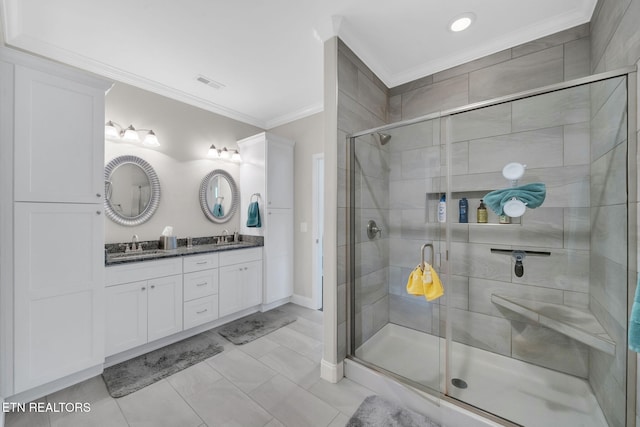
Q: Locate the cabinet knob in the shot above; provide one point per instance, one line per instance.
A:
(98, 195)
(98, 212)
(143, 289)
(269, 203)
(153, 286)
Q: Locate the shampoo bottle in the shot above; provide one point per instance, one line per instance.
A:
(464, 209)
(442, 209)
(482, 213)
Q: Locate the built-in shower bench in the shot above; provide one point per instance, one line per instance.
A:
(581, 325)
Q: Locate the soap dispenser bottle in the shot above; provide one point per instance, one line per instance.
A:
(482, 213)
(442, 209)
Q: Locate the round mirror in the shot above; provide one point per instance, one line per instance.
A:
(131, 190)
(218, 196)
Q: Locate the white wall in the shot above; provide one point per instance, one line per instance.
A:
(308, 133)
(185, 133)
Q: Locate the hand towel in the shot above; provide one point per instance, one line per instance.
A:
(253, 219)
(634, 322)
(531, 194)
(218, 211)
(425, 282)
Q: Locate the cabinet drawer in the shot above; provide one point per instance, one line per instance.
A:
(201, 310)
(199, 262)
(240, 255)
(136, 271)
(200, 284)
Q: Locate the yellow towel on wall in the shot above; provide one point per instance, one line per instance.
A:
(425, 282)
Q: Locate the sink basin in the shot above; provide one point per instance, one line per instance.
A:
(134, 255)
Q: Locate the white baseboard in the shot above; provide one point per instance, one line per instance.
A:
(272, 305)
(303, 301)
(331, 372)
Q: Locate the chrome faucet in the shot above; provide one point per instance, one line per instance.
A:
(134, 240)
(225, 235)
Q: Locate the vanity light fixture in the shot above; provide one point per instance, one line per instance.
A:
(113, 130)
(462, 22)
(224, 154)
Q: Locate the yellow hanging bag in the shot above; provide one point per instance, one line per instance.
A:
(425, 282)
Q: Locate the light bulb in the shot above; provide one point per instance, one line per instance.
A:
(213, 152)
(110, 130)
(130, 135)
(151, 140)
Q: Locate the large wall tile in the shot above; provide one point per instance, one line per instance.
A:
(373, 192)
(406, 253)
(555, 39)
(566, 187)
(603, 26)
(481, 123)
(545, 347)
(459, 158)
(577, 59)
(526, 72)
(413, 136)
(577, 228)
(577, 140)
(371, 256)
(624, 47)
(563, 269)
(564, 107)
(398, 277)
(609, 178)
(537, 149)
(369, 288)
(411, 312)
(347, 76)
(409, 194)
(609, 232)
(485, 61)
(395, 109)
(479, 330)
(480, 291)
(436, 97)
(421, 163)
(609, 125)
(608, 391)
(576, 299)
(476, 260)
(371, 160)
(372, 96)
(608, 286)
(353, 117)
(456, 291)
(618, 333)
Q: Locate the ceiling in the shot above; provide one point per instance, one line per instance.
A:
(268, 54)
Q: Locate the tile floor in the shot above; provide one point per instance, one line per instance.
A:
(272, 381)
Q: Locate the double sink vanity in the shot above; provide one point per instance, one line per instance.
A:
(159, 294)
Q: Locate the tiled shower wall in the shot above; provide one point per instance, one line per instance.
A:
(362, 104)
(615, 43)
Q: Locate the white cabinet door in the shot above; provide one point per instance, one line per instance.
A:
(164, 313)
(279, 175)
(59, 139)
(230, 289)
(58, 301)
(278, 259)
(126, 316)
(252, 283)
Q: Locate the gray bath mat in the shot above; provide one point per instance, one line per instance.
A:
(134, 374)
(376, 411)
(255, 325)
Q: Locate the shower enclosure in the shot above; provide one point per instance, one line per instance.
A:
(542, 346)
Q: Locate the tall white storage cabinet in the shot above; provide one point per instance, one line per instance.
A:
(52, 237)
(267, 170)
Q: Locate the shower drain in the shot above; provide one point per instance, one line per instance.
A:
(457, 382)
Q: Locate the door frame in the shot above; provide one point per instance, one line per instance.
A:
(317, 207)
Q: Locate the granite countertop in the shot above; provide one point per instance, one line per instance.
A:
(114, 255)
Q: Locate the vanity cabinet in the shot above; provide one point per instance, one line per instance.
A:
(145, 309)
(267, 169)
(240, 280)
(200, 283)
(52, 264)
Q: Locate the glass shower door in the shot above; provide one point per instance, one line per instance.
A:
(396, 183)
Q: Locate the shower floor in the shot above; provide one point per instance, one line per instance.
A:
(518, 391)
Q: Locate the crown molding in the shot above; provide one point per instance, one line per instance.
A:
(294, 115)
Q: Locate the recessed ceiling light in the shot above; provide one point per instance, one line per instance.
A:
(462, 22)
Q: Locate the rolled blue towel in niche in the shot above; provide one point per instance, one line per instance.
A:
(218, 210)
(531, 194)
(253, 219)
(634, 322)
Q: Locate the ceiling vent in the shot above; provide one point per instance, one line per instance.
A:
(209, 82)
